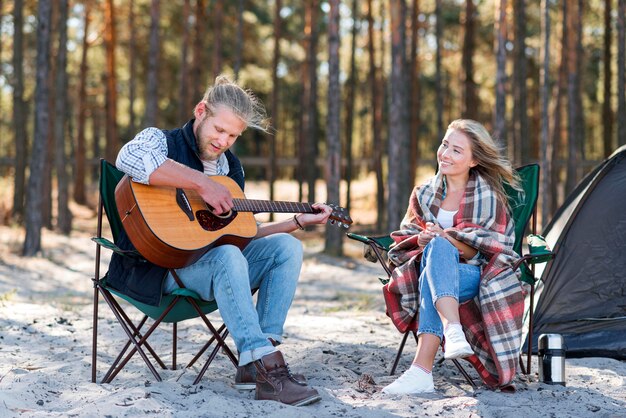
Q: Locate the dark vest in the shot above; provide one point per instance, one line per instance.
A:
(140, 279)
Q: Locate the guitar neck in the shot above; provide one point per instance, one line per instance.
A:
(266, 206)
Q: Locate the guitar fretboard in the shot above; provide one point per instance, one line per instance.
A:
(260, 206)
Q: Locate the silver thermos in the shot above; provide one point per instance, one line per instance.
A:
(551, 359)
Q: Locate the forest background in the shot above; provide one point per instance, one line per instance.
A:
(355, 90)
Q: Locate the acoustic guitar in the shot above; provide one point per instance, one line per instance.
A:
(173, 228)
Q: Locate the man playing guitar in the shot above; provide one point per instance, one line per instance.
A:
(185, 158)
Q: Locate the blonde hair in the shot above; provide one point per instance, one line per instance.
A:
(241, 102)
(490, 163)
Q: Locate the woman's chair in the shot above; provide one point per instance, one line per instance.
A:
(180, 305)
(524, 207)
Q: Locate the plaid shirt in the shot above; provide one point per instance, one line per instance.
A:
(493, 321)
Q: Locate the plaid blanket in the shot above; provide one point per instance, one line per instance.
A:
(493, 321)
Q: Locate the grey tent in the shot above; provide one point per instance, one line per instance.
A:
(582, 295)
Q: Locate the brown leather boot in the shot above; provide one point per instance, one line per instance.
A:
(274, 382)
(245, 378)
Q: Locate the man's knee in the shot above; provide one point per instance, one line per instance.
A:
(287, 247)
(231, 257)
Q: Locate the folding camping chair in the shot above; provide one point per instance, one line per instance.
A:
(178, 306)
(524, 213)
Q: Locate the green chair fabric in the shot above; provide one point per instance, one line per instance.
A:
(181, 311)
(523, 204)
(109, 179)
(180, 305)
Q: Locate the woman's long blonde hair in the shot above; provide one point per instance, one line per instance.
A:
(491, 164)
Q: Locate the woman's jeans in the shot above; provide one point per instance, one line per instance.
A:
(443, 275)
(227, 275)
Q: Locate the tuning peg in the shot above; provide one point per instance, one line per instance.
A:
(332, 221)
(346, 226)
(339, 224)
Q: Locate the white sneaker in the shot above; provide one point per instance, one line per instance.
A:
(456, 346)
(414, 380)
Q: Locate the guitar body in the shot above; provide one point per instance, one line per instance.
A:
(173, 228)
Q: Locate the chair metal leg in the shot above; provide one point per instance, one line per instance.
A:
(529, 349)
(120, 355)
(400, 349)
(206, 346)
(138, 343)
(464, 373)
(137, 331)
(220, 341)
(210, 359)
(174, 343)
(94, 336)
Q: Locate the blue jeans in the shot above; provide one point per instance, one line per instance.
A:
(443, 275)
(227, 275)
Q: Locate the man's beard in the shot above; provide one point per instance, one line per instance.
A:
(201, 153)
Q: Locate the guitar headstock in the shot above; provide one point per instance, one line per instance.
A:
(340, 216)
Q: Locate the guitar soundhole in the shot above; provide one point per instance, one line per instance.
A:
(211, 222)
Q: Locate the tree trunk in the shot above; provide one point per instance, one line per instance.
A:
(499, 123)
(621, 73)
(310, 107)
(304, 101)
(414, 95)
(218, 16)
(46, 208)
(376, 108)
(471, 104)
(96, 121)
(438, 75)
(2, 146)
(398, 179)
(333, 133)
(64, 216)
(32, 242)
(19, 111)
(81, 149)
(607, 113)
(239, 42)
(580, 58)
(351, 91)
(132, 83)
(152, 87)
(557, 132)
(521, 138)
(197, 65)
(574, 112)
(546, 144)
(183, 92)
(112, 139)
(272, 139)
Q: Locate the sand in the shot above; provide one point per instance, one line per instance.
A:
(336, 334)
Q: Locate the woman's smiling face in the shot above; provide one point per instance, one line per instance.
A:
(454, 155)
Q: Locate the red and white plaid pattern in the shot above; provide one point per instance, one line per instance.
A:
(493, 321)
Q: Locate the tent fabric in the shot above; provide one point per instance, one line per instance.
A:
(582, 294)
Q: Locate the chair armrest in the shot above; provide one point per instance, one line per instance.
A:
(383, 242)
(111, 246)
(539, 250)
(361, 238)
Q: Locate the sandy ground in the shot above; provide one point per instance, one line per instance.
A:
(336, 334)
